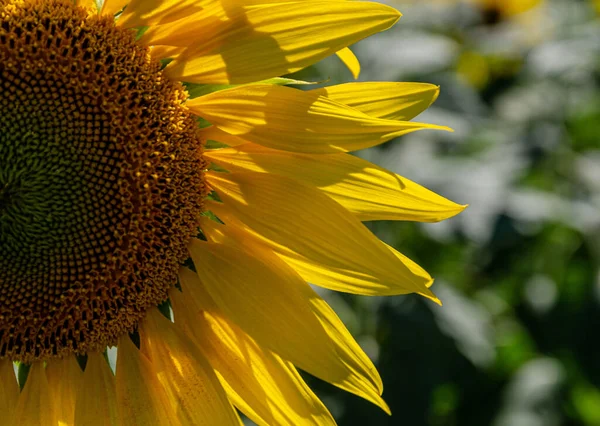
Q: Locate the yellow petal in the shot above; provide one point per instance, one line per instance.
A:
(35, 407)
(184, 32)
(292, 120)
(216, 134)
(154, 12)
(418, 270)
(96, 403)
(390, 101)
(64, 377)
(361, 376)
(206, 16)
(9, 390)
(141, 399)
(357, 362)
(365, 189)
(188, 379)
(269, 289)
(162, 52)
(111, 7)
(268, 41)
(267, 389)
(320, 239)
(88, 4)
(215, 15)
(350, 60)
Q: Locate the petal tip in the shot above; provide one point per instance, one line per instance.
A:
(383, 405)
(429, 294)
(397, 13)
(454, 211)
(394, 13)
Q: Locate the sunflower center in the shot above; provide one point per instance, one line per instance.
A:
(101, 180)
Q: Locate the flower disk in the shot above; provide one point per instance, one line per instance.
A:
(101, 180)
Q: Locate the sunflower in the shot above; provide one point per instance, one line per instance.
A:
(164, 191)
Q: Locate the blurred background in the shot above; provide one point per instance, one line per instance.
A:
(516, 342)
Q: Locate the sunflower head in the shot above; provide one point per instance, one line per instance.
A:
(101, 180)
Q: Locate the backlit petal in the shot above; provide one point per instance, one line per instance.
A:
(141, 399)
(350, 60)
(391, 101)
(9, 390)
(319, 238)
(269, 289)
(363, 188)
(292, 120)
(188, 379)
(214, 14)
(64, 378)
(96, 403)
(267, 389)
(162, 52)
(35, 406)
(352, 355)
(216, 134)
(110, 7)
(186, 31)
(88, 4)
(363, 378)
(154, 12)
(268, 41)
